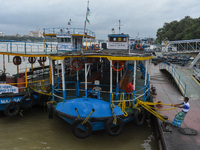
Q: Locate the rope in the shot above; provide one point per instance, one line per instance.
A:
(87, 118)
(122, 105)
(146, 105)
(77, 112)
(51, 102)
(113, 113)
(38, 91)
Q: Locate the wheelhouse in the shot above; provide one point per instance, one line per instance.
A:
(118, 41)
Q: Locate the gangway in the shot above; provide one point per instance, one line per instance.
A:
(194, 61)
(182, 46)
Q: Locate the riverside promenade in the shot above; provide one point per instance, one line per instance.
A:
(169, 93)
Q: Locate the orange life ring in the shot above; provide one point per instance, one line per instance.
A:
(80, 64)
(43, 59)
(96, 46)
(120, 63)
(17, 60)
(23, 75)
(31, 60)
(138, 48)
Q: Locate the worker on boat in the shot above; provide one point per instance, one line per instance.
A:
(179, 118)
(129, 90)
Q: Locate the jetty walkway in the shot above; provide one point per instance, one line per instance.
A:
(168, 93)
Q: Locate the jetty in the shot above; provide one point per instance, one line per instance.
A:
(171, 87)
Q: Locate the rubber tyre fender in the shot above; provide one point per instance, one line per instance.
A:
(139, 117)
(12, 112)
(80, 133)
(114, 130)
(50, 111)
(23, 100)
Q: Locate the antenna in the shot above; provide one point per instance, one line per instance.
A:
(119, 26)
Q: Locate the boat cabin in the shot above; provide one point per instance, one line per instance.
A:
(69, 39)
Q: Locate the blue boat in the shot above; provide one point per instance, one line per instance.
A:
(89, 88)
(19, 91)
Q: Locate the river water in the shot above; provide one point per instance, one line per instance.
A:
(34, 131)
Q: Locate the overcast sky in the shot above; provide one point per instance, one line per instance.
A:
(141, 17)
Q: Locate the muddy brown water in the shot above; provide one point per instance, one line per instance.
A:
(34, 131)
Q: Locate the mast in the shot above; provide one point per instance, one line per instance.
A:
(119, 26)
(86, 19)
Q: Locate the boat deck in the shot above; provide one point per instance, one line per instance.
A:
(167, 93)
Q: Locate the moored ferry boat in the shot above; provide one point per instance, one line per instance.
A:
(19, 90)
(89, 91)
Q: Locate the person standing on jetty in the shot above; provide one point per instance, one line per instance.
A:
(179, 118)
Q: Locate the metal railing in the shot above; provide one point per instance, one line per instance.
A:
(64, 30)
(196, 73)
(177, 77)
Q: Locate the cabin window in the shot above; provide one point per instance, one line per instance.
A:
(64, 40)
(118, 39)
(67, 40)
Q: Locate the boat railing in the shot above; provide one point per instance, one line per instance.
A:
(177, 77)
(28, 47)
(38, 47)
(64, 30)
(140, 93)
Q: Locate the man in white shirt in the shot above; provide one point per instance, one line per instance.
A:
(179, 118)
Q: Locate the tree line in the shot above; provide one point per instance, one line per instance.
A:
(185, 29)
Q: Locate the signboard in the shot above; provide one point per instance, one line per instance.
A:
(117, 45)
(5, 88)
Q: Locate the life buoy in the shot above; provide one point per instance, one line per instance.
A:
(26, 104)
(78, 64)
(12, 109)
(42, 59)
(31, 60)
(112, 129)
(138, 46)
(81, 131)
(96, 46)
(120, 63)
(50, 111)
(139, 117)
(23, 75)
(17, 60)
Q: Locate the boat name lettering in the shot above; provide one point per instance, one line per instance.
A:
(7, 100)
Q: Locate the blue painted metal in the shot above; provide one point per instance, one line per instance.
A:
(118, 35)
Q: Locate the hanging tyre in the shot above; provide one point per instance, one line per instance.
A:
(12, 109)
(50, 111)
(114, 129)
(81, 130)
(26, 104)
(139, 117)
